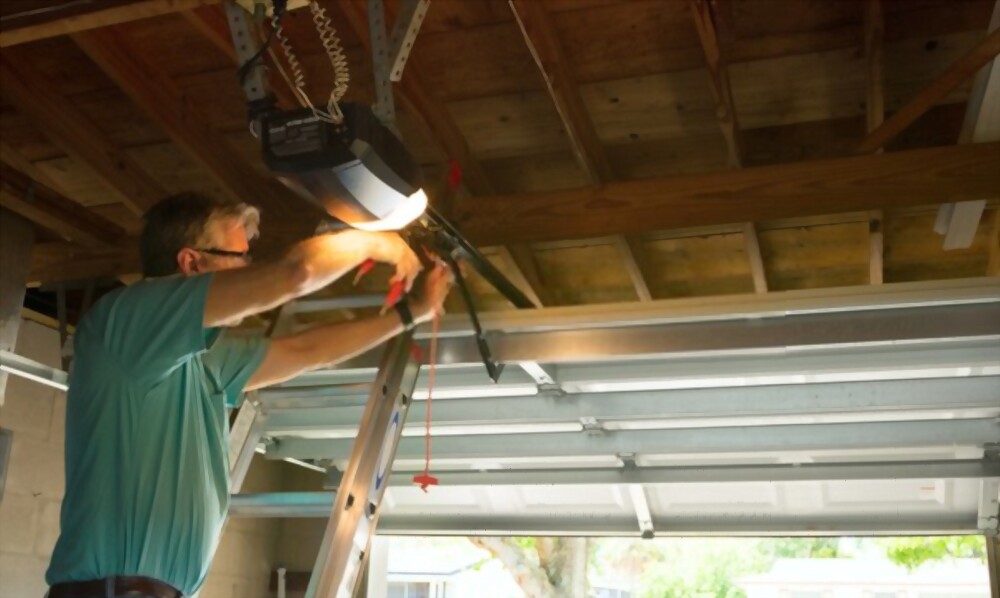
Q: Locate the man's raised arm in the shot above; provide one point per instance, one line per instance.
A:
(308, 266)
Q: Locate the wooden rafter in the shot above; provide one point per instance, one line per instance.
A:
(15, 159)
(83, 141)
(704, 20)
(875, 111)
(58, 261)
(634, 257)
(94, 15)
(158, 96)
(889, 180)
(49, 209)
(752, 245)
(428, 112)
(521, 261)
(707, 17)
(945, 83)
(557, 71)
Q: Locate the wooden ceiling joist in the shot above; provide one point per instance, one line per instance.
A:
(945, 83)
(526, 277)
(874, 24)
(632, 253)
(752, 245)
(55, 22)
(705, 19)
(60, 261)
(49, 209)
(83, 141)
(149, 87)
(557, 71)
(859, 183)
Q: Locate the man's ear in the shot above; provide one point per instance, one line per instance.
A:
(188, 261)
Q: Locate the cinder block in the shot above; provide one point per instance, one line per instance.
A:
(38, 342)
(36, 468)
(48, 528)
(263, 476)
(216, 587)
(23, 576)
(57, 431)
(27, 409)
(19, 515)
(300, 541)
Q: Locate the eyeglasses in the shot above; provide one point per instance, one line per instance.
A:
(244, 255)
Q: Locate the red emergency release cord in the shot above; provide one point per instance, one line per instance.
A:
(425, 479)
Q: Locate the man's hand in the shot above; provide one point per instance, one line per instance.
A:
(391, 249)
(431, 299)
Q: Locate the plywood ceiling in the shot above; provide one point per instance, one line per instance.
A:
(635, 89)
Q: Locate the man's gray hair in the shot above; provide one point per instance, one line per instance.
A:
(188, 220)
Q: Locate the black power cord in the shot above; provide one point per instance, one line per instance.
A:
(279, 7)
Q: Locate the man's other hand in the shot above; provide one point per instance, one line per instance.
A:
(431, 299)
(390, 248)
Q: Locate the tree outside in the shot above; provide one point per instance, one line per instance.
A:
(693, 567)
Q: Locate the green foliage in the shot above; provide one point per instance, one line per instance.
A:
(802, 548)
(914, 552)
(699, 567)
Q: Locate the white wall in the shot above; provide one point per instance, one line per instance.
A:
(29, 508)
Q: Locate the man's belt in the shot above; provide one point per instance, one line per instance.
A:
(113, 587)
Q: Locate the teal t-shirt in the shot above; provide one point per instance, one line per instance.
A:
(147, 462)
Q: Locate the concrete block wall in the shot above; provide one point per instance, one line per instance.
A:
(29, 508)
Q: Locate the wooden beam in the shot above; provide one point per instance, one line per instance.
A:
(49, 209)
(752, 244)
(634, 257)
(149, 87)
(875, 110)
(876, 250)
(83, 141)
(954, 75)
(14, 159)
(211, 22)
(522, 264)
(874, 61)
(557, 71)
(428, 112)
(704, 20)
(60, 261)
(94, 15)
(993, 262)
(858, 183)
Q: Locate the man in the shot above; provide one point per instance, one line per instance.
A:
(147, 480)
